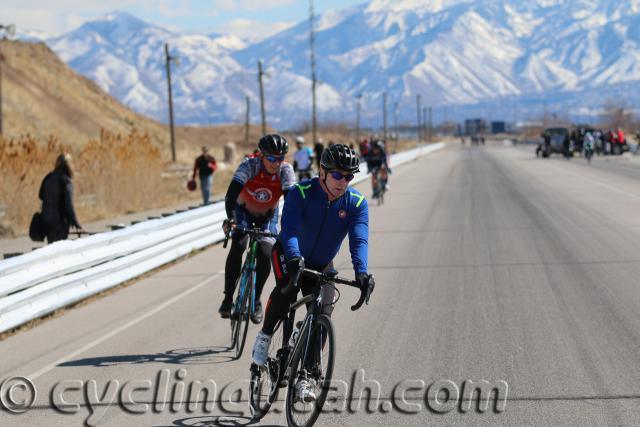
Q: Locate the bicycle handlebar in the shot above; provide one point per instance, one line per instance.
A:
(365, 294)
(256, 232)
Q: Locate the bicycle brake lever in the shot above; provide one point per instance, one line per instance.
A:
(357, 305)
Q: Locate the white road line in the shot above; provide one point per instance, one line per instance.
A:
(123, 327)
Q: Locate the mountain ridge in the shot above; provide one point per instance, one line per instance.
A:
(456, 53)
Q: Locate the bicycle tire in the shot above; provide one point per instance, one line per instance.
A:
(322, 322)
(271, 371)
(379, 191)
(233, 318)
(243, 318)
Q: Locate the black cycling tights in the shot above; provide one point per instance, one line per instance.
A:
(239, 242)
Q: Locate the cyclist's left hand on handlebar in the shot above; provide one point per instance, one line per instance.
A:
(366, 283)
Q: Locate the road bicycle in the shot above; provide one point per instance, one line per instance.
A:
(588, 154)
(244, 305)
(304, 352)
(379, 183)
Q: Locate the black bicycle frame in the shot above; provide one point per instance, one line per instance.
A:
(305, 330)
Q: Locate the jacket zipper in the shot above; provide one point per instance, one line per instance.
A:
(324, 217)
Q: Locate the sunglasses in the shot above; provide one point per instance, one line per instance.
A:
(275, 159)
(338, 176)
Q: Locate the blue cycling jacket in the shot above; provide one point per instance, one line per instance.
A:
(314, 228)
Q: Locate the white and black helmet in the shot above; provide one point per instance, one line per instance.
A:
(340, 156)
(274, 144)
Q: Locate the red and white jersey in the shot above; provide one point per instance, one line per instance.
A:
(261, 191)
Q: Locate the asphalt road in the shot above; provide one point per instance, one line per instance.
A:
(491, 265)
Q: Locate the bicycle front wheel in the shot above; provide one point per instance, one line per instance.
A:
(243, 317)
(235, 313)
(314, 366)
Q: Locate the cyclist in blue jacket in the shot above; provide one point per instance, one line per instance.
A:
(318, 214)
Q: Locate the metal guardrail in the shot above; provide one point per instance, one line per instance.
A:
(39, 282)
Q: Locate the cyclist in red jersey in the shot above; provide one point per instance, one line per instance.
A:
(252, 201)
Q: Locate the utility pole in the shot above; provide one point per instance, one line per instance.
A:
(424, 124)
(358, 117)
(384, 117)
(446, 118)
(170, 58)
(262, 113)
(419, 127)
(10, 30)
(430, 124)
(312, 42)
(395, 119)
(246, 124)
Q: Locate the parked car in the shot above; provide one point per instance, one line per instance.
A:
(554, 140)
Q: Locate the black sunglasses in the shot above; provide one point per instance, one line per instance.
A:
(338, 176)
(274, 159)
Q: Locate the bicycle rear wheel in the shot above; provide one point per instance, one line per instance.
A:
(265, 380)
(317, 369)
(379, 190)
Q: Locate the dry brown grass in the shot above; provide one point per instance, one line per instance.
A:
(114, 174)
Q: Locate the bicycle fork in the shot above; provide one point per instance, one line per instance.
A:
(298, 347)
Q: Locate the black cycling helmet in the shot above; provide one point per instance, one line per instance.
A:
(340, 156)
(274, 144)
(378, 144)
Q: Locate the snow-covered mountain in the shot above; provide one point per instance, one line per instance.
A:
(489, 57)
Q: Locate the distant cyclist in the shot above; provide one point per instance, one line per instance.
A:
(252, 201)
(378, 165)
(588, 145)
(318, 214)
(302, 159)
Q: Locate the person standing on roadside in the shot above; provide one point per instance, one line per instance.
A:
(318, 147)
(206, 165)
(302, 160)
(56, 193)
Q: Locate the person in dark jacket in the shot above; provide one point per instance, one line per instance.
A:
(205, 165)
(56, 193)
(318, 147)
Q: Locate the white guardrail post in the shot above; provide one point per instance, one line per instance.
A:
(41, 281)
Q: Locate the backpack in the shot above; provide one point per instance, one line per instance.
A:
(37, 228)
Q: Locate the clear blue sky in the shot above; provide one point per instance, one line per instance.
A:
(253, 18)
